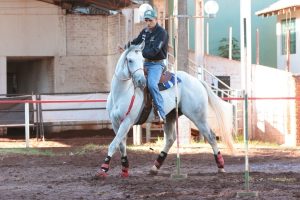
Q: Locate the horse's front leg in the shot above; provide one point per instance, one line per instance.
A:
(124, 159)
(169, 138)
(114, 145)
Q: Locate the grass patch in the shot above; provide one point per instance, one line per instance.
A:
(240, 140)
(26, 151)
(87, 149)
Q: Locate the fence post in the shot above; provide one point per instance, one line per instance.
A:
(137, 135)
(27, 124)
(148, 132)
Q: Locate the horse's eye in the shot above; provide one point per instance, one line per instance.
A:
(130, 61)
(136, 51)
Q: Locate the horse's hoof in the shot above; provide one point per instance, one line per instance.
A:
(153, 170)
(124, 174)
(100, 174)
(221, 170)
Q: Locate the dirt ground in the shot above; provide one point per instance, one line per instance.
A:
(64, 169)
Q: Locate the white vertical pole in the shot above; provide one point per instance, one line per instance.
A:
(199, 36)
(188, 32)
(3, 75)
(175, 13)
(230, 43)
(245, 36)
(27, 124)
(245, 31)
(257, 46)
(207, 38)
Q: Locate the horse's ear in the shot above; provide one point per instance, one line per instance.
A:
(127, 45)
(142, 45)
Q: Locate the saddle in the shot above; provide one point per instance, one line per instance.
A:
(167, 80)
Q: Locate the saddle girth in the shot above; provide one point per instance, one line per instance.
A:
(147, 107)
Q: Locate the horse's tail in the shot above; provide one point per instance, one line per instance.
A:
(222, 110)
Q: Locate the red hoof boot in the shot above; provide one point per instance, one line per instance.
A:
(219, 160)
(101, 174)
(124, 173)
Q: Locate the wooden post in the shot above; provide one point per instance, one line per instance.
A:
(183, 53)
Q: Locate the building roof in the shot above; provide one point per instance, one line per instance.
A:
(91, 6)
(280, 7)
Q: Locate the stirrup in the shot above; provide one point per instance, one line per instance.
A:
(158, 119)
(163, 119)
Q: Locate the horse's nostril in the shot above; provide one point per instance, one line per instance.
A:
(141, 83)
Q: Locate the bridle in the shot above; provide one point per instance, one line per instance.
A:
(131, 74)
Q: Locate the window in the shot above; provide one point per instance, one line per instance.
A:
(288, 25)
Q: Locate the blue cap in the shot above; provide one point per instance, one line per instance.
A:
(150, 14)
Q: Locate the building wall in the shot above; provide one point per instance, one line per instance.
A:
(92, 51)
(83, 48)
(273, 120)
(297, 83)
(31, 28)
(83, 69)
(294, 58)
(224, 67)
(269, 120)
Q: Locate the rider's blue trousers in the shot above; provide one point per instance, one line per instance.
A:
(154, 70)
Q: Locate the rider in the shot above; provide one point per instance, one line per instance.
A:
(155, 53)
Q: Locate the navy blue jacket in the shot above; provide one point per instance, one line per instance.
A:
(156, 42)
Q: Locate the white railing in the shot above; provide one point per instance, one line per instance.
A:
(228, 92)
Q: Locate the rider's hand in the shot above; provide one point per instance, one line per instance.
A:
(120, 49)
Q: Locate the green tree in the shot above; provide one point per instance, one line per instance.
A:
(224, 48)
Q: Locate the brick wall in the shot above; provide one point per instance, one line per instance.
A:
(86, 35)
(297, 80)
(91, 43)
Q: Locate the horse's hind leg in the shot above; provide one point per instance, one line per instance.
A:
(210, 136)
(169, 138)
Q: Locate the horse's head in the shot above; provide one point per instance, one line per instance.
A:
(131, 66)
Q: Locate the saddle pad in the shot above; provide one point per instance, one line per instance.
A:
(168, 84)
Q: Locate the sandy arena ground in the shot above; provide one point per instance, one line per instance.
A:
(65, 168)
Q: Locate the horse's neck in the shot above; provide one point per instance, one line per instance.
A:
(122, 90)
(121, 87)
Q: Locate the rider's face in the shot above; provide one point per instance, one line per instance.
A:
(151, 23)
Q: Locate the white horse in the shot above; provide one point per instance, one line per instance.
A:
(126, 100)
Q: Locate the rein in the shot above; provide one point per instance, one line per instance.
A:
(133, 96)
(129, 108)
